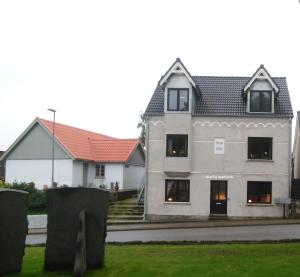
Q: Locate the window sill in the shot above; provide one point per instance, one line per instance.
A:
(259, 204)
(99, 177)
(260, 160)
(185, 157)
(178, 203)
(178, 112)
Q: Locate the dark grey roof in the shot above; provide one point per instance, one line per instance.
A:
(222, 96)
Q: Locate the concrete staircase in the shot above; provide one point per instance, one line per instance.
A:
(125, 211)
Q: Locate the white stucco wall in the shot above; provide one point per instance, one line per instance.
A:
(39, 171)
(77, 173)
(113, 173)
(133, 176)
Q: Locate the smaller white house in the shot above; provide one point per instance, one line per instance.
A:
(81, 158)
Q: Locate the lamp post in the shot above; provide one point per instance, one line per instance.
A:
(53, 133)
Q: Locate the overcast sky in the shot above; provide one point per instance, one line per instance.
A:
(98, 62)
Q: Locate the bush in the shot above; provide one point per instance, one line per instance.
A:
(3, 185)
(29, 187)
(37, 199)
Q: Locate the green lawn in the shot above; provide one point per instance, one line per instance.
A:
(269, 259)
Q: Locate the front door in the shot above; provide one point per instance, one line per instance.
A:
(85, 173)
(218, 197)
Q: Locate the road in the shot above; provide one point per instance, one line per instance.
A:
(241, 233)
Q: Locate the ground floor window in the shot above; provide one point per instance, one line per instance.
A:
(177, 191)
(100, 171)
(259, 192)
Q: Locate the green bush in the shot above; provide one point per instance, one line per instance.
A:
(37, 199)
(3, 185)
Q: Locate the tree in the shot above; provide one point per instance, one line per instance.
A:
(142, 126)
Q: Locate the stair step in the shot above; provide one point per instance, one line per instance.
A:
(126, 209)
(120, 221)
(126, 206)
(119, 213)
(127, 217)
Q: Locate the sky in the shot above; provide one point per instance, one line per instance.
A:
(98, 62)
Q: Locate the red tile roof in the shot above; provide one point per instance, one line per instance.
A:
(86, 145)
(113, 150)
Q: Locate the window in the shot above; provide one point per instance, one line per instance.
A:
(177, 145)
(100, 170)
(178, 99)
(261, 101)
(259, 192)
(260, 148)
(177, 191)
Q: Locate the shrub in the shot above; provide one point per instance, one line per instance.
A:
(37, 199)
(3, 185)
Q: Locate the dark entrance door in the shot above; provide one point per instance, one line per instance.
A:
(85, 173)
(218, 197)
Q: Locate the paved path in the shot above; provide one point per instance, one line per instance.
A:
(37, 221)
(237, 233)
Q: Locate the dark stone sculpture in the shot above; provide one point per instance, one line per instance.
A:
(68, 210)
(80, 255)
(13, 229)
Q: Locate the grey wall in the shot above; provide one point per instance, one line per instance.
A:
(137, 158)
(296, 151)
(37, 144)
(2, 166)
(233, 164)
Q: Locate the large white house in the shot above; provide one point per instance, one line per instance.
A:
(218, 146)
(82, 158)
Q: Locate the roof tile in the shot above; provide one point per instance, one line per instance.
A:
(86, 145)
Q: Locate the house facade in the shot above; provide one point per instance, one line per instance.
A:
(218, 146)
(82, 158)
(296, 149)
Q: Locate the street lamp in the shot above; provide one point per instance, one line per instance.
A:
(53, 132)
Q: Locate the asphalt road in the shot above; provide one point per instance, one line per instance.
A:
(243, 233)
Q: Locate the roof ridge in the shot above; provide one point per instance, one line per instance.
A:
(58, 123)
(114, 139)
(222, 76)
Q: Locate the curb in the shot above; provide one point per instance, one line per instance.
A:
(142, 226)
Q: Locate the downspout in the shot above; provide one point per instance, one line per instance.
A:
(147, 169)
(290, 159)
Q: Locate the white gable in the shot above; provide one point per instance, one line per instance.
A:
(179, 69)
(261, 75)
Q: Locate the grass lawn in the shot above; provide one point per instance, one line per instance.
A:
(268, 259)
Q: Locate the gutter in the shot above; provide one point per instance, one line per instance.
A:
(290, 159)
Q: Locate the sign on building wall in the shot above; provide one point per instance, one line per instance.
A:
(219, 146)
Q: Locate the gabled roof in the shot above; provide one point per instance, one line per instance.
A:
(261, 74)
(178, 68)
(113, 150)
(85, 145)
(221, 96)
(75, 140)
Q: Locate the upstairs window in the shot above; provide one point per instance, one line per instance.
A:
(260, 148)
(100, 171)
(260, 101)
(178, 99)
(177, 145)
(259, 192)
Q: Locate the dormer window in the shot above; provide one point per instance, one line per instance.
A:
(261, 101)
(178, 99)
